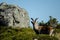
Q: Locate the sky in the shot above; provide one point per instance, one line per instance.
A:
(41, 9)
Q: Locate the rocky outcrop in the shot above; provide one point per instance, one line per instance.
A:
(12, 15)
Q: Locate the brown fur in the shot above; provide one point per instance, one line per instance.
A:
(38, 29)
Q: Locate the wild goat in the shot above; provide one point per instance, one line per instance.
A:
(41, 29)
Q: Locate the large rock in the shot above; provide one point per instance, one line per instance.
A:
(12, 15)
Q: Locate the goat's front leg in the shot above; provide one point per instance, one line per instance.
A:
(51, 32)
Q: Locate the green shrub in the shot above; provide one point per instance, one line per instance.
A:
(8, 33)
(58, 30)
(45, 37)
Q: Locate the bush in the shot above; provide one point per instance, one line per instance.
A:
(8, 33)
(45, 37)
(58, 30)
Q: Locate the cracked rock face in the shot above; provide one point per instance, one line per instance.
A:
(14, 16)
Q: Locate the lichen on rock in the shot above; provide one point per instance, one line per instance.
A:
(12, 15)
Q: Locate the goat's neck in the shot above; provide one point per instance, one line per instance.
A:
(36, 26)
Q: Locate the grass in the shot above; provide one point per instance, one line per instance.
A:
(8, 33)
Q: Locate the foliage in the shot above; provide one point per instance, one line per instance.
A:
(57, 30)
(8, 33)
(46, 37)
(41, 23)
(58, 26)
(51, 22)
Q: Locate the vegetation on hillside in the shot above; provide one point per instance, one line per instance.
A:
(8, 33)
(51, 22)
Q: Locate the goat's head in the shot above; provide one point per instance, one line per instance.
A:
(33, 21)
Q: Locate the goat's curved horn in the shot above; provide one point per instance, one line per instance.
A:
(32, 19)
(36, 19)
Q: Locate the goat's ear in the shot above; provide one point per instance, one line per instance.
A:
(36, 19)
(32, 19)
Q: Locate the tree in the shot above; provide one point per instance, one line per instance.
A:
(41, 23)
(52, 21)
(58, 26)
